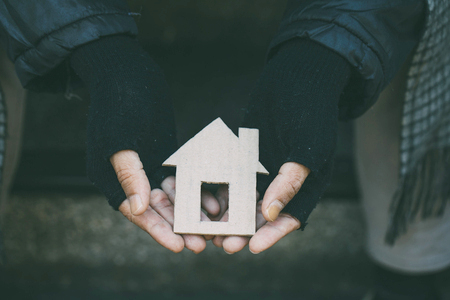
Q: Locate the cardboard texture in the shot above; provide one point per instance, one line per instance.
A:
(216, 155)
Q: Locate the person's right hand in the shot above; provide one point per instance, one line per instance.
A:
(153, 210)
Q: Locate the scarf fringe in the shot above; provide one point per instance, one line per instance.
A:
(422, 193)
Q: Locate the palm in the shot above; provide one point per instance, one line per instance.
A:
(281, 191)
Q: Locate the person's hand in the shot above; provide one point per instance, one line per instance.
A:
(130, 132)
(295, 105)
(271, 225)
(153, 210)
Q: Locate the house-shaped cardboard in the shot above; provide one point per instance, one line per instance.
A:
(217, 155)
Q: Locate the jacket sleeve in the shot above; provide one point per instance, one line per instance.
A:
(375, 37)
(40, 35)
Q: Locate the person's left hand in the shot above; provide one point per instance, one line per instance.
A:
(271, 225)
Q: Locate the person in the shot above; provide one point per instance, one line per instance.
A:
(329, 60)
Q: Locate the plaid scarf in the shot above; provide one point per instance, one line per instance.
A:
(424, 187)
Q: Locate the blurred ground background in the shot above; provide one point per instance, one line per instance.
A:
(63, 241)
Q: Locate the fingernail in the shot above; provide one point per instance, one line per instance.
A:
(253, 252)
(227, 252)
(274, 210)
(135, 202)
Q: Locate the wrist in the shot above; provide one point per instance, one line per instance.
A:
(320, 70)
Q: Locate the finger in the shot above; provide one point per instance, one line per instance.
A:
(233, 244)
(222, 199)
(218, 241)
(209, 203)
(155, 225)
(283, 188)
(132, 178)
(160, 202)
(196, 243)
(168, 186)
(270, 233)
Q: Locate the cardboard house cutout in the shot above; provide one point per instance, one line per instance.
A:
(216, 155)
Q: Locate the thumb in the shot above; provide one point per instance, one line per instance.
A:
(283, 188)
(132, 178)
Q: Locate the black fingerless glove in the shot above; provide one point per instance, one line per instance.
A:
(130, 109)
(295, 108)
